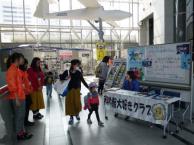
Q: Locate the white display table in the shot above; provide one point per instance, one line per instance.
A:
(157, 110)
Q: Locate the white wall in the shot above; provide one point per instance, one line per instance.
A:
(162, 11)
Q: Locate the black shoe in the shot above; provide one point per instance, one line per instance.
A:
(28, 123)
(40, 115)
(78, 118)
(20, 137)
(116, 114)
(127, 118)
(37, 117)
(27, 136)
(101, 124)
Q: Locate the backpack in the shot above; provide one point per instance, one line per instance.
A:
(98, 70)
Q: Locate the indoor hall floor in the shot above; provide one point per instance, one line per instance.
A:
(54, 129)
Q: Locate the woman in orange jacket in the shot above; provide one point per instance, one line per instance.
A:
(27, 89)
(17, 94)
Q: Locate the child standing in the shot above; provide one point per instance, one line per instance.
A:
(92, 103)
(49, 80)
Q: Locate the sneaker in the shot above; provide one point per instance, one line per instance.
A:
(71, 121)
(78, 118)
(101, 124)
(37, 117)
(40, 115)
(116, 115)
(89, 121)
(127, 118)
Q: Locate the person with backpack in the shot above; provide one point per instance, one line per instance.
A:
(101, 73)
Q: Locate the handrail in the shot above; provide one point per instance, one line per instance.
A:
(4, 91)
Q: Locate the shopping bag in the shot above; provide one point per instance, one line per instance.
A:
(61, 86)
(65, 92)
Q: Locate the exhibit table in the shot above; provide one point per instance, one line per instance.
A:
(156, 109)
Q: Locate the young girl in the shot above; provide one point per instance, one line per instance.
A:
(92, 103)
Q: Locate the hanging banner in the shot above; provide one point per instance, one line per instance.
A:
(100, 50)
(65, 54)
(131, 104)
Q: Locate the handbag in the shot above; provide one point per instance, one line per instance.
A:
(61, 87)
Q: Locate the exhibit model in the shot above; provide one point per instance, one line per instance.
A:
(93, 11)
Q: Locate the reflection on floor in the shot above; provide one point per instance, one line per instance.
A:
(54, 129)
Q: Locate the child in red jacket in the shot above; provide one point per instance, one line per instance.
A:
(92, 103)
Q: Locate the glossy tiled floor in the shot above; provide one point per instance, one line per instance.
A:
(54, 129)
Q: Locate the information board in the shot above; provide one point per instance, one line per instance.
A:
(168, 63)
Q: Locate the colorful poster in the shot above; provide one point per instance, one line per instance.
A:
(168, 63)
(135, 61)
(100, 50)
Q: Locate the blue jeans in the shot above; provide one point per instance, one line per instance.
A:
(19, 115)
(49, 89)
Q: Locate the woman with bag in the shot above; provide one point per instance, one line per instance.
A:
(73, 99)
(36, 77)
(103, 72)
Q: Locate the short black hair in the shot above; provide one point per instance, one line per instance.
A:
(13, 57)
(50, 73)
(132, 75)
(106, 59)
(74, 62)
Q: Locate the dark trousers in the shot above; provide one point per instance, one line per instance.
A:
(101, 86)
(94, 107)
(28, 103)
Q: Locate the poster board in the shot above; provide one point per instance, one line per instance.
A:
(116, 74)
(167, 63)
(100, 50)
